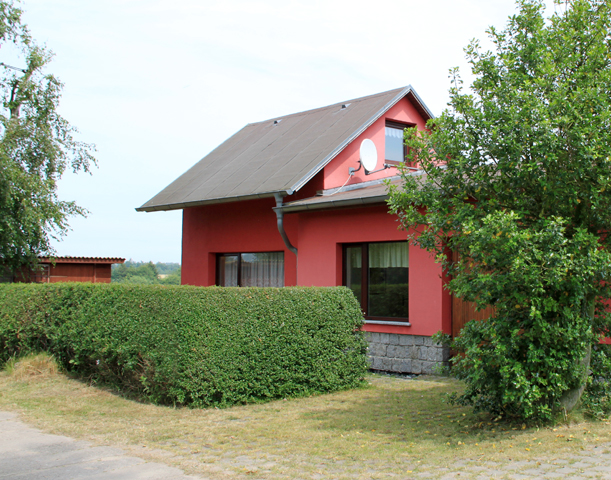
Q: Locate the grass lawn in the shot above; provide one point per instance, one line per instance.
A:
(394, 426)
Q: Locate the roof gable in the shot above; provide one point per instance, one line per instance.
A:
(278, 155)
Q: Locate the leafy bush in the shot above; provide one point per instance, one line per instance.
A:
(191, 345)
(596, 401)
(523, 361)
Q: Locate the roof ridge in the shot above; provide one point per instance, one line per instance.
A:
(317, 109)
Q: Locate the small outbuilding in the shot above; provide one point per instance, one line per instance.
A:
(74, 269)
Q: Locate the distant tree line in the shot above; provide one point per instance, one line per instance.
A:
(144, 273)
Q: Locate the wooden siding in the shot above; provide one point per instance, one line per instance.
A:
(67, 272)
(72, 272)
(463, 312)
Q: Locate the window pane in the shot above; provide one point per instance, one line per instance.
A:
(262, 269)
(388, 280)
(354, 270)
(394, 144)
(228, 271)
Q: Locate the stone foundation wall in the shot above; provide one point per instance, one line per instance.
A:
(391, 352)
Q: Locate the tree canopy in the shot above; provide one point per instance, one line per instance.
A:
(517, 182)
(146, 273)
(37, 145)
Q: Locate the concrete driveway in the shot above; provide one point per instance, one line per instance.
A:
(28, 454)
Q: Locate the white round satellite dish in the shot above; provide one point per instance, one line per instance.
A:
(369, 155)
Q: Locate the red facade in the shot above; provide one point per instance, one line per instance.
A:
(320, 233)
(319, 237)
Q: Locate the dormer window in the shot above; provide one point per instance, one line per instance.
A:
(395, 150)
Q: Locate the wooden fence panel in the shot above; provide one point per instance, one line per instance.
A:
(463, 312)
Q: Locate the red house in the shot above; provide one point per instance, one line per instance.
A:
(300, 200)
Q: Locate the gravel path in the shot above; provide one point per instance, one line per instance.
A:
(594, 462)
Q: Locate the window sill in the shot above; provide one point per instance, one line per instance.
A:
(386, 322)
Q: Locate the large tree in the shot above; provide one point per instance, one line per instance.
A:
(36, 146)
(518, 185)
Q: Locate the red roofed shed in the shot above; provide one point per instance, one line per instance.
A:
(75, 269)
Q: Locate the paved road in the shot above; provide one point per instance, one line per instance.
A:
(28, 454)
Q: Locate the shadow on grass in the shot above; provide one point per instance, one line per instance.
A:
(414, 411)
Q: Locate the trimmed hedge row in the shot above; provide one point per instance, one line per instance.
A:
(191, 345)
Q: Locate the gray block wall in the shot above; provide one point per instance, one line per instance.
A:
(390, 352)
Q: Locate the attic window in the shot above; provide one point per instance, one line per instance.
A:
(345, 105)
(276, 122)
(395, 150)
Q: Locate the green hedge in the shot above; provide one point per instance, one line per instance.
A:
(191, 345)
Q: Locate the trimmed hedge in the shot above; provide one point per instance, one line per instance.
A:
(191, 345)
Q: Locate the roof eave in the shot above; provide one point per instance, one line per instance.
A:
(350, 202)
(81, 260)
(210, 201)
(421, 104)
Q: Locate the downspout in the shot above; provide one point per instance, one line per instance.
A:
(280, 219)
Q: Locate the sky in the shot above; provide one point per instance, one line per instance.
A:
(158, 84)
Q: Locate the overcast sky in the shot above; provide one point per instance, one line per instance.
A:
(157, 84)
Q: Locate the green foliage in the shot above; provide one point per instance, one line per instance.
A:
(542, 283)
(171, 279)
(142, 273)
(517, 183)
(36, 147)
(135, 272)
(190, 345)
(167, 268)
(596, 401)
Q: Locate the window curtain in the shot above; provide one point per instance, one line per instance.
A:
(354, 257)
(394, 133)
(389, 255)
(394, 145)
(228, 271)
(262, 269)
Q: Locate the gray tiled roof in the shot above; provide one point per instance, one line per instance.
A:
(277, 155)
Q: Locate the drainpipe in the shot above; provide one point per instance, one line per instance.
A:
(280, 218)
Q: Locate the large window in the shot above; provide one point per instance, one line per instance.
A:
(395, 146)
(264, 269)
(378, 274)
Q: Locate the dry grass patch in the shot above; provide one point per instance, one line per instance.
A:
(397, 425)
(37, 365)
